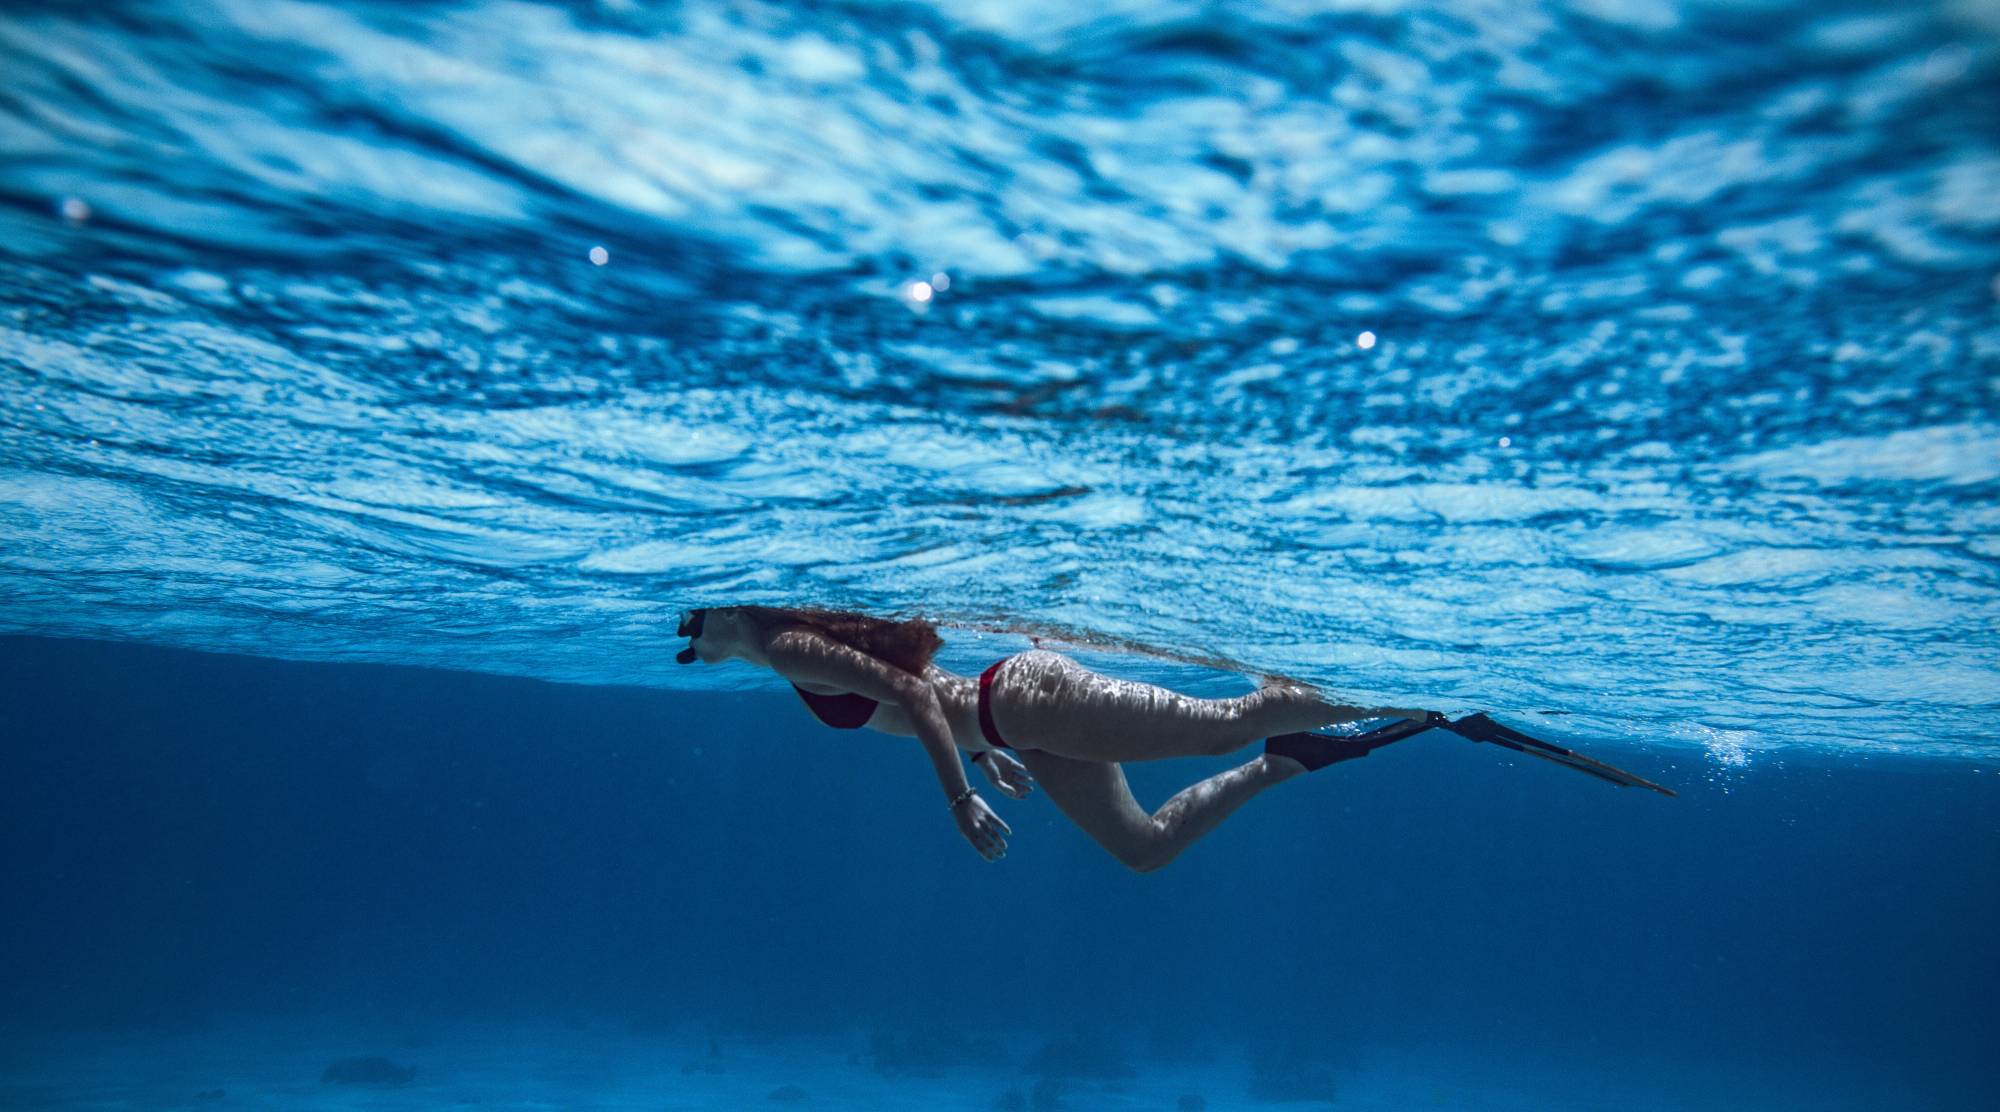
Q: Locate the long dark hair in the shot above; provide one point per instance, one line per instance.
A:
(908, 644)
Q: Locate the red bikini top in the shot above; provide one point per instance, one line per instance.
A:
(842, 712)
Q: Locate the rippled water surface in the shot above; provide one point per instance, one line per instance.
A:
(1634, 360)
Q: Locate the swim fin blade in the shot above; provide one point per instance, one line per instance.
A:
(1480, 727)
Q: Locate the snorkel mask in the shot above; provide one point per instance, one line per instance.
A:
(691, 623)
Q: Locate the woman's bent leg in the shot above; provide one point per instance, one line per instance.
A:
(1097, 798)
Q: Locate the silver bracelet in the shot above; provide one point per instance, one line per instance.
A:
(960, 798)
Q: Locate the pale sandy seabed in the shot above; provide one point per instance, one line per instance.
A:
(278, 1065)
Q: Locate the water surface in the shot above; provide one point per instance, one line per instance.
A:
(1633, 360)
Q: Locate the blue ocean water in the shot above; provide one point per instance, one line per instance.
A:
(224, 873)
(1627, 368)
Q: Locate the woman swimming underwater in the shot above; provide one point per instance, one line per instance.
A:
(1040, 716)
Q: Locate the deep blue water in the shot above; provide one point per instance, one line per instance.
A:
(371, 860)
(1628, 368)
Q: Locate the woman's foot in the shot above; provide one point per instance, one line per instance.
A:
(1314, 751)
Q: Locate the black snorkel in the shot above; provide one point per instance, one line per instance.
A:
(691, 623)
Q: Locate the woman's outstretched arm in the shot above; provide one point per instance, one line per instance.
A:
(804, 656)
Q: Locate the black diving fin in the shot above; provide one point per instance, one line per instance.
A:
(1316, 750)
(1480, 727)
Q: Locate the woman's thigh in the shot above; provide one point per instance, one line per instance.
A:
(1044, 700)
(1097, 799)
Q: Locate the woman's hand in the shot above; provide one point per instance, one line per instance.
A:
(982, 827)
(1006, 773)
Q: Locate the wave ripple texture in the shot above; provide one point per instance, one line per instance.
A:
(1635, 360)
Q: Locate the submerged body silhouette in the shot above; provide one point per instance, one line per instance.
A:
(1036, 716)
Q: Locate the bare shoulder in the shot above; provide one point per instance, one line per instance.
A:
(808, 657)
(794, 649)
